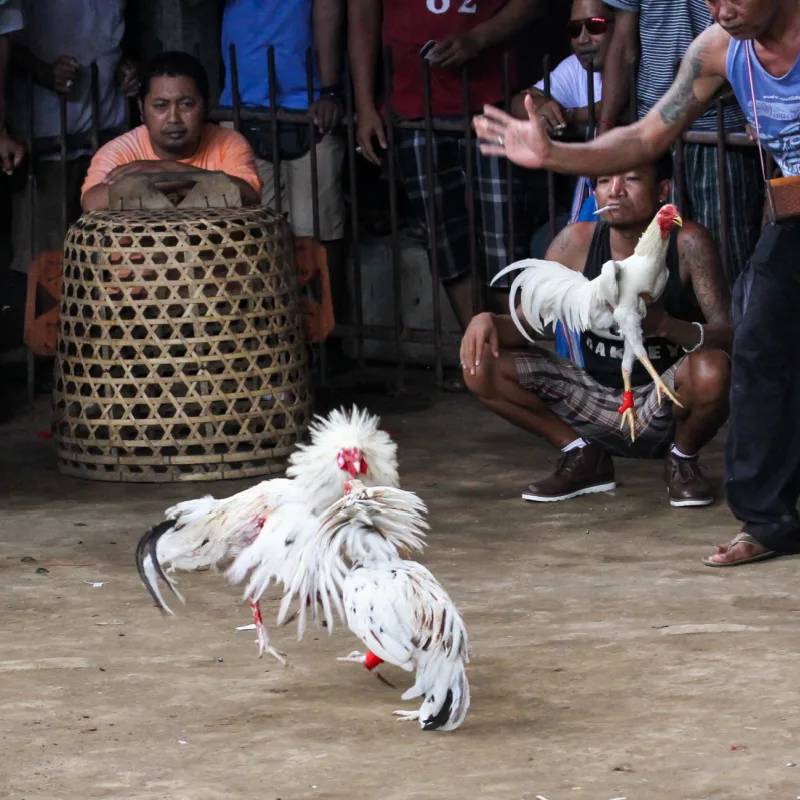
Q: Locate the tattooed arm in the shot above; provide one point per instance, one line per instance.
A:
(525, 142)
(701, 270)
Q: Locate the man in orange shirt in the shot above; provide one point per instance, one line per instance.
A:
(175, 137)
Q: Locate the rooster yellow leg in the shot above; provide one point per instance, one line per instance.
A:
(660, 385)
(263, 636)
(629, 414)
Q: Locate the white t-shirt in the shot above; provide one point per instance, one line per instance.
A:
(569, 84)
(10, 17)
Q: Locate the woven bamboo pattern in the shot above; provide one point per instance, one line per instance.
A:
(181, 355)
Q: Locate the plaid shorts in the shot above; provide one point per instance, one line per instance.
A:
(494, 248)
(591, 408)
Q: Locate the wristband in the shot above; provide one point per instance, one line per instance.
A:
(700, 341)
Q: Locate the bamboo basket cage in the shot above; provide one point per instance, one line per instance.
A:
(181, 354)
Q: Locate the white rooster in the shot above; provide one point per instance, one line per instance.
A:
(618, 296)
(263, 529)
(396, 607)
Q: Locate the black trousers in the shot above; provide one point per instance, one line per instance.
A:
(763, 447)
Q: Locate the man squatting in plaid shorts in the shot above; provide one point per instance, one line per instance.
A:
(688, 334)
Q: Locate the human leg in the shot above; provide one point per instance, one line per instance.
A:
(763, 446)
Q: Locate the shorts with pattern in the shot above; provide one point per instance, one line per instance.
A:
(495, 249)
(591, 408)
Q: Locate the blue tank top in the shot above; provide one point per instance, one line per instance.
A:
(777, 103)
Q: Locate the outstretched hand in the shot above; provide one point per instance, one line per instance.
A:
(523, 141)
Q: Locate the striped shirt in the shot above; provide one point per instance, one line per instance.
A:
(666, 29)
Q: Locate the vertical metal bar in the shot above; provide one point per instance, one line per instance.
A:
(273, 108)
(722, 183)
(396, 276)
(512, 239)
(592, 121)
(30, 359)
(633, 100)
(470, 153)
(433, 242)
(354, 221)
(95, 99)
(313, 140)
(236, 98)
(551, 178)
(62, 143)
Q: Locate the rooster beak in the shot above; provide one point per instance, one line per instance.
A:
(678, 221)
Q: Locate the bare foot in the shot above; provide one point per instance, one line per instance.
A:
(742, 549)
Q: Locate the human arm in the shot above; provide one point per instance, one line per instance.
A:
(327, 19)
(622, 53)
(97, 196)
(701, 269)
(453, 51)
(363, 45)
(11, 151)
(525, 142)
(491, 332)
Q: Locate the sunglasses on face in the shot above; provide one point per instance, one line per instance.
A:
(594, 26)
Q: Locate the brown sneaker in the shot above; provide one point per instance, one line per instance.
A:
(582, 470)
(686, 484)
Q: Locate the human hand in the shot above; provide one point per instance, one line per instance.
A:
(553, 116)
(454, 51)
(128, 78)
(523, 141)
(61, 74)
(11, 152)
(326, 112)
(480, 332)
(654, 321)
(369, 124)
(145, 166)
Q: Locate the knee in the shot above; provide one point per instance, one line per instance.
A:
(709, 373)
(483, 384)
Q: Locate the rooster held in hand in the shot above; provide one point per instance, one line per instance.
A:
(262, 530)
(396, 607)
(617, 297)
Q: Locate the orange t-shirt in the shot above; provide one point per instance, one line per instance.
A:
(220, 149)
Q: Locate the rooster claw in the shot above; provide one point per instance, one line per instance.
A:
(354, 657)
(629, 416)
(406, 716)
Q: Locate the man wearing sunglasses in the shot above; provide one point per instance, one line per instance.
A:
(589, 30)
(754, 46)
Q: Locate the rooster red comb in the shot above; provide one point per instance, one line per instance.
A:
(668, 217)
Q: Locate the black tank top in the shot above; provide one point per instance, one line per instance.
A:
(602, 356)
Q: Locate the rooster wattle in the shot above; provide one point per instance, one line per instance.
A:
(618, 297)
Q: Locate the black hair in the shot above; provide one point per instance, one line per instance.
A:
(174, 64)
(662, 167)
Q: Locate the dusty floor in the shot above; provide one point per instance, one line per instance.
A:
(607, 661)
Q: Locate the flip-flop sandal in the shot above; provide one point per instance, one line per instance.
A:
(741, 538)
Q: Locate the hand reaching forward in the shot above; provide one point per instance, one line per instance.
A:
(523, 141)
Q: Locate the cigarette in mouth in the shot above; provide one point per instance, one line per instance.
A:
(609, 207)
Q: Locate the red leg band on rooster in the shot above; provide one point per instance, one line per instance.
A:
(627, 402)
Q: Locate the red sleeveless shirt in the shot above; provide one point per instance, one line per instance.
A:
(408, 25)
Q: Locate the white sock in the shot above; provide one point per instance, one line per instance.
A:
(579, 442)
(676, 452)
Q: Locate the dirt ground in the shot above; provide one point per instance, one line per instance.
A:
(607, 661)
